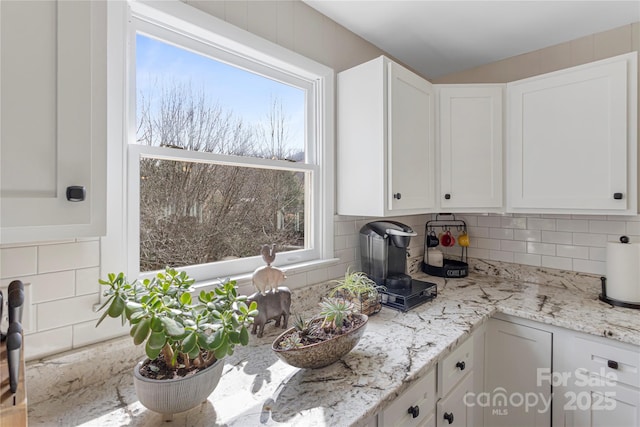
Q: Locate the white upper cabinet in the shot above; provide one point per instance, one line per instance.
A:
(470, 146)
(572, 140)
(53, 114)
(385, 141)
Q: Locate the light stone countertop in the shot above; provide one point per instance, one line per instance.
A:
(258, 389)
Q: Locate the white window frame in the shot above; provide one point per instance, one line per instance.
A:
(120, 249)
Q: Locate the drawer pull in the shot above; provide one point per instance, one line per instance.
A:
(612, 364)
(414, 411)
(449, 417)
(460, 365)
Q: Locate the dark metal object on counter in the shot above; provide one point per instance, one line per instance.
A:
(603, 297)
(450, 268)
(14, 345)
(383, 247)
(15, 301)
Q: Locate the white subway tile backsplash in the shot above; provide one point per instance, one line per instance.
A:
(489, 221)
(478, 253)
(569, 251)
(527, 259)
(598, 254)
(487, 244)
(66, 312)
(572, 225)
(346, 255)
(527, 235)
(633, 227)
(587, 239)
(478, 232)
(541, 224)
(561, 237)
(586, 266)
(557, 262)
(20, 261)
(513, 222)
(501, 256)
(501, 233)
(68, 256)
(513, 246)
(87, 281)
(86, 333)
(345, 228)
(44, 343)
(541, 248)
(609, 227)
(51, 286)
(317, 276)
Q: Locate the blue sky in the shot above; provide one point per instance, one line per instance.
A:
(245, 94)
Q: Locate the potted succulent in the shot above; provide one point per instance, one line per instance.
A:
(361, 290)
(322, 340)
(185, 338)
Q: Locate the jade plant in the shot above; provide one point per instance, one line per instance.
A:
(184, 331)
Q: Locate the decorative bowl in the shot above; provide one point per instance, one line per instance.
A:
(323, 353)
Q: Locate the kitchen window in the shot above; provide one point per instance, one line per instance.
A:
(228, 148)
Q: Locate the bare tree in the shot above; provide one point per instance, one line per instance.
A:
(193, 213)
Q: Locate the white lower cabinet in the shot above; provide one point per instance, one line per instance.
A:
(414, 407)
(596, 382)
(514, 356)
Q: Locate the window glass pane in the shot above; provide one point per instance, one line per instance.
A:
(193, 102)
(195, 213)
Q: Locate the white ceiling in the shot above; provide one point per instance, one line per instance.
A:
(440, 37)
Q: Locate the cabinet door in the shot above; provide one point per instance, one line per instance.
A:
(453, 410)
(595, 382)
(572, 139)
(411, 161)
(470, 138)
(514, 354)
(53, 114)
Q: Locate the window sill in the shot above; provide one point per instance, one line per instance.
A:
(244, 280)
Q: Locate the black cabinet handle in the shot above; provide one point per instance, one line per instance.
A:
(612, 364)
(414, 411)
(617, 196)
(460, 365)
(449, 417)
(397, 196)
(447, 196)
(76, 193)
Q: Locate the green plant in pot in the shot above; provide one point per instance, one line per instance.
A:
(185, 338)
(324, 339)
(359, 289)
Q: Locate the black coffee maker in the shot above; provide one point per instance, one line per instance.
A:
(383, 248)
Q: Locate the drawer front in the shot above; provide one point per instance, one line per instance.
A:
(452, 411)
(420, 397)
(454, 367)
(607, 359)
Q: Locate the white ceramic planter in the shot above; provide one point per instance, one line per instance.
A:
(178, 395)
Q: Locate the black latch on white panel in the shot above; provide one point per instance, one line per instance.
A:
(76, 193)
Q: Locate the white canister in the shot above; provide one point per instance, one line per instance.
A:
(434, 257)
